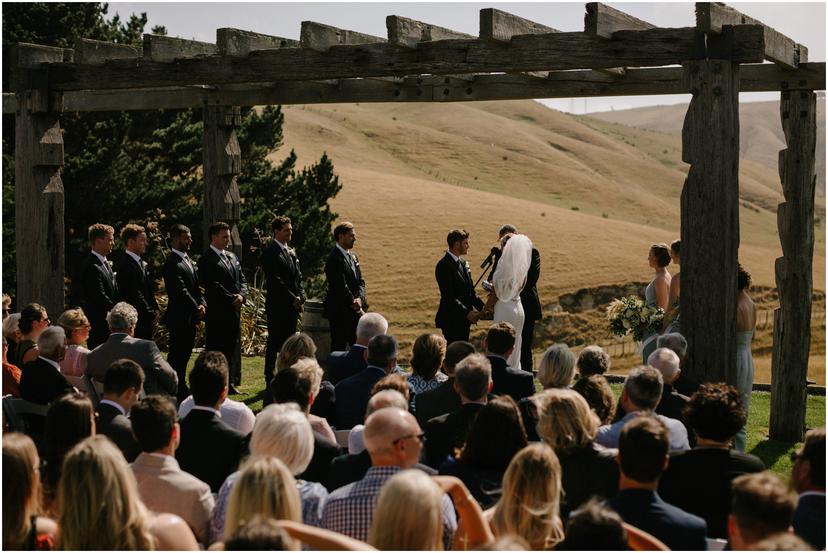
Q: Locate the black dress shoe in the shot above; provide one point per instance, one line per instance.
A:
(232, 391)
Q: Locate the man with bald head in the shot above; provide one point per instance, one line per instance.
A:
(672, 403)
(393, 440)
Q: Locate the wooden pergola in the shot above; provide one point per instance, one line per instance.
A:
(511, 58)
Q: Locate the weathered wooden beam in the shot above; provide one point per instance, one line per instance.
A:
(161, 48)
(711, 17)
(502, 26)
(22, 65)
(710, 221)
(603, 21)
(320, 37)
(235, 42)
(794, 270)
(94, 52)
(403, 31)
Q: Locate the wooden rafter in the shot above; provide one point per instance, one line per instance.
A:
(162, 48)
(501, 26)
(235, 42)
(321, 37)
(602, 20)
(403, 31)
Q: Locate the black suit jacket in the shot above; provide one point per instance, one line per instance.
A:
(587, 471)
(457, 297)
(344, 285)
(42, 383)
(644, 509)
(447, 432)
(324, 451)
(209, 449)
(99, 290)
(221, 284)
(439, 401)
(183, 291)
(352, 395)
(344, 364)
(136, 288)
(349, 468)
(284, 279)
(510, 381)
(809, 520)
(115, 426)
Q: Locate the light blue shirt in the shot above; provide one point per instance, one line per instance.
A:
(609, 434)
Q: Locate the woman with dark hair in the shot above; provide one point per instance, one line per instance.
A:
(745, 325)
(494, 437)
(33, 319)
(671, 317)
(427, 356)
(657, 293)
(597, 392)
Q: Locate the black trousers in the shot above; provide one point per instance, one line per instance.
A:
(182, 340)
(224, 335)
(527, 337)
(281, 325)
(456, 333)
(343, 329)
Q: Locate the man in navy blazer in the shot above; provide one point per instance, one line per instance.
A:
(353, 393)
(97, 282)
(808, 479)
(643, 454)
(342, 364)
(499, 344)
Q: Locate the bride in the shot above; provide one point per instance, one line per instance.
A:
(507, 282)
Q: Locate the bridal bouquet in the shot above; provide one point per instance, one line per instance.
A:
(631, 314)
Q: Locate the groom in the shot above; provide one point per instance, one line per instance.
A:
(459, 305)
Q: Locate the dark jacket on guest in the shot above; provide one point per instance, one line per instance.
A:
(352, 396)
(809, 519)
(324, 451)
(644, 509)
(344, 364)
(510, 381)
(117, 427)
(447, 432)
(484, 484)
(587, 471)
(349, 468)
(41, 382)
(324, 404)
(209, 449)
(439, 401)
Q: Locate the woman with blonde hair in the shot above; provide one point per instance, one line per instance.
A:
(568, 425)
(296, 347)
(77, 326)
(427, 356)
(265, 487)
(22, 528)
(100, 506)
(556, 370)
(530, 504)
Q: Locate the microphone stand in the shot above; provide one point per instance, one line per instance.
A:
(485, 268)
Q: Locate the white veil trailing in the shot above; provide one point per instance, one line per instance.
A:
(512, 268)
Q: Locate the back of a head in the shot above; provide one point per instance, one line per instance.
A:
(813, 451)
(21, 497)
(715, 412)
(289, 386)
(500, 338)
(284, 432)
(11, 324)
(673, 341)
(427, 355)
(384, 426)
(593, 360)
(122, 317)
(644, 386)
(294, 348)
(565, 420)
(208, 378)
(370, 325)
(495, 435)
(761, 505)
(382, 350)
(122, 375)
(51, 341)
(599, 396)
(393, 526)
(153, 419)
(643, 448)
(667, 362)
(594, 527)
(393, 381)
(782, 541)
(29, 315)
(456, 352)
(472, 376)
(557, 367)
(260, 534)
(68, 421)
(386, 398)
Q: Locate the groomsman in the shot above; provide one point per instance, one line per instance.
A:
(285, 293)
(134, 283)
(459, 305)
(345, 300)
(226, 291)
(186, 305)
(98, 284)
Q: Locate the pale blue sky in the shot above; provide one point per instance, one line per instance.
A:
(803, 22)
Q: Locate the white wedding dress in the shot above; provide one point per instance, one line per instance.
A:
(508, 280)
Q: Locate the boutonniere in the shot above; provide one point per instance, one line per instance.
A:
(291, 252)
(466, 263)
(111, 265)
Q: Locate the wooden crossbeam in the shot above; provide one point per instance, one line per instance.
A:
(95, 52)
(502, 26)
(30, 56)
(235, 42)
(711, 17)
(160, 48)
(403, 31)
(320, 37)
(602, 20)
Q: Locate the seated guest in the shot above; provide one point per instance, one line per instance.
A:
(299, 384)
(394, 442)
(783, 541)
(529, 506)
(11, 332)
(715, 412)
(496, 434)
(499, 344)
(642, 392)
(296, 347)
(355, 390)
(163, 486)
(33, 321)
(101, 509)
(234, 413)
(427, 356)
(40, 380)
(808, 479)
(209, 450)
(761, 505)
(23, 529)
(396, 382)
(77, 326)
(643, 451)
(442, 399)
(569, 426)
(159, 376)
(344, 364)
(446, 433)
(594, 527)
(6, 305)
(677, 343)
(556, 370)
(593, 360)
(282, 431)
(122, 387)
(598, 394)
(260, 534)
(11, 374)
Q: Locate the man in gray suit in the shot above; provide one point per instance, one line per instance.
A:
(159, 377)
(163, 486)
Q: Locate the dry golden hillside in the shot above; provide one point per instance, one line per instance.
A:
(591, 195)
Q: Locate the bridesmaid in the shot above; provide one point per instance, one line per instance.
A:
(673, 316)
(657, 293)
(745, 325)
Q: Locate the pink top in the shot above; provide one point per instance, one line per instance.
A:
(74, 363)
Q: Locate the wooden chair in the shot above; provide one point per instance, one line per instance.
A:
(16, 411)
(85, 384)
(639, 540)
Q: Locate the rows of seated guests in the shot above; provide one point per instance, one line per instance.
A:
(460, 453)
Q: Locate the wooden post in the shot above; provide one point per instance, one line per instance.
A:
(710, 220)
(222, 162)
(794, 271)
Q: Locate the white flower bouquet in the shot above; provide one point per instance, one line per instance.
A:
(631, 315)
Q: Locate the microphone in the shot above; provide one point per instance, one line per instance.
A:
(495, 252)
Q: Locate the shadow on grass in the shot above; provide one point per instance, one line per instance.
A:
(250, 400)
(771, 451)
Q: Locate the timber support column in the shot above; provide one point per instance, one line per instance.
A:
(794, 270)
(710, 220)
(222, 164)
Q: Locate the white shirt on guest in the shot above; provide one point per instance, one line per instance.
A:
(235, 413)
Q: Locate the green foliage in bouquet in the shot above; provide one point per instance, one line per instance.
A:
(631, 315)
